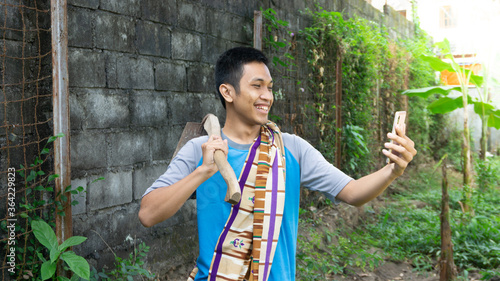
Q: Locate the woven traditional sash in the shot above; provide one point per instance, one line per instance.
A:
(246, 246)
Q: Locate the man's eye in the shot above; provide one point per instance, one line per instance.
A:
(270, 89)
(256, 86)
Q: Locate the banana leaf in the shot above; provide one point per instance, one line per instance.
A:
(429, 91)
(494, 119)
(446, 104)
(439, 65)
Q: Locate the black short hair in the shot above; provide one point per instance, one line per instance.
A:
(229, 67)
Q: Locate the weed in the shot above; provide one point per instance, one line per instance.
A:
(487, 174)
(413, 233)
(323, 252)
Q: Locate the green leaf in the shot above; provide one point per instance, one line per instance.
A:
(31, 177)
(77, 264)
(53, 138)
(54, 255)
(429, 91)
(494, 120)
(444, 45)
(48, 270)
(62, 278)
(281, 44)
(445, 105)
(437, 64)
(475, 79)
(23, 215)
(72, 241)
(45, 151)
(40, 256)
(44, 234)
(478, 107)
(98, 179)
(52, 177)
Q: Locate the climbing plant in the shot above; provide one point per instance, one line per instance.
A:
(375, 69)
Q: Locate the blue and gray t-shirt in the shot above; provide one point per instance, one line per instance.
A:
(305, 166)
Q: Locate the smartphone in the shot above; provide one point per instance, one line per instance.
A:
(399, 119)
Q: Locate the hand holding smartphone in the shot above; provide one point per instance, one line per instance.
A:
(399, 119)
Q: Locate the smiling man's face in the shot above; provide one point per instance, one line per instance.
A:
(255, 97)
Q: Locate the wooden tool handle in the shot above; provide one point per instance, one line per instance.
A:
(233, 195)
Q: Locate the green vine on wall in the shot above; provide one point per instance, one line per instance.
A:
(375, 70)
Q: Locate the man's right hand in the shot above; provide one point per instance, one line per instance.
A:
(162, 203)
(214, 143)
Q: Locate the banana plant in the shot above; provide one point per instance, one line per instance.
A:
(445, 104)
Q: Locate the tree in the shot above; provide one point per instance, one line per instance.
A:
(446, 104)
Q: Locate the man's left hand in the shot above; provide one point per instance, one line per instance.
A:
(403, 151)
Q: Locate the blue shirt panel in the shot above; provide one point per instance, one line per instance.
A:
(213, 212)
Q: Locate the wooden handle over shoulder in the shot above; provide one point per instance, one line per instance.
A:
(233, 195)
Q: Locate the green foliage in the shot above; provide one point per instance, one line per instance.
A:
(373, 68)
(279, 44)
(356, 146)
(126, 269)
(46, 236)
(37, 211)
(413, 233)
(446, 104)
(423, 126)
(322, 252)
(488, 174)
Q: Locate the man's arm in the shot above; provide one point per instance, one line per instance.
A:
(162, 203)
(359, 192)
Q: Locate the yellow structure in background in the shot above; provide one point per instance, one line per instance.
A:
(451, 78)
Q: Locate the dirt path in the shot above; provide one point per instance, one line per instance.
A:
(388, 271)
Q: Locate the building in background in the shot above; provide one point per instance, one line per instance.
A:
(469, 26)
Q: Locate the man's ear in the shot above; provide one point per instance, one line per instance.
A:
(227, 92)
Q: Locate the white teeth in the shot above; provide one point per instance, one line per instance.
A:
(263, 108)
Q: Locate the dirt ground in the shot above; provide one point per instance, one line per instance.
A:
(389, 270)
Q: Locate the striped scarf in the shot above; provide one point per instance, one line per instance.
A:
(246, 246)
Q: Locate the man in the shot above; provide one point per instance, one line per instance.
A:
(256, 239)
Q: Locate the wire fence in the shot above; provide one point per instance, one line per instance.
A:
(25, 128)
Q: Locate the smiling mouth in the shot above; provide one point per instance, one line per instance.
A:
(263, 108)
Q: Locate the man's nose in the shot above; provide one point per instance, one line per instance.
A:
(267, 95)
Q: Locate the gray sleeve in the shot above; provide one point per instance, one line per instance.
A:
(315, 172)
(183, 164)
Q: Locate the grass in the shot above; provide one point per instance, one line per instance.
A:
(410, 227)
(414, 233)
(323, 252)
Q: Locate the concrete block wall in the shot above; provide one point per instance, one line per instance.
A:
(139, 70)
